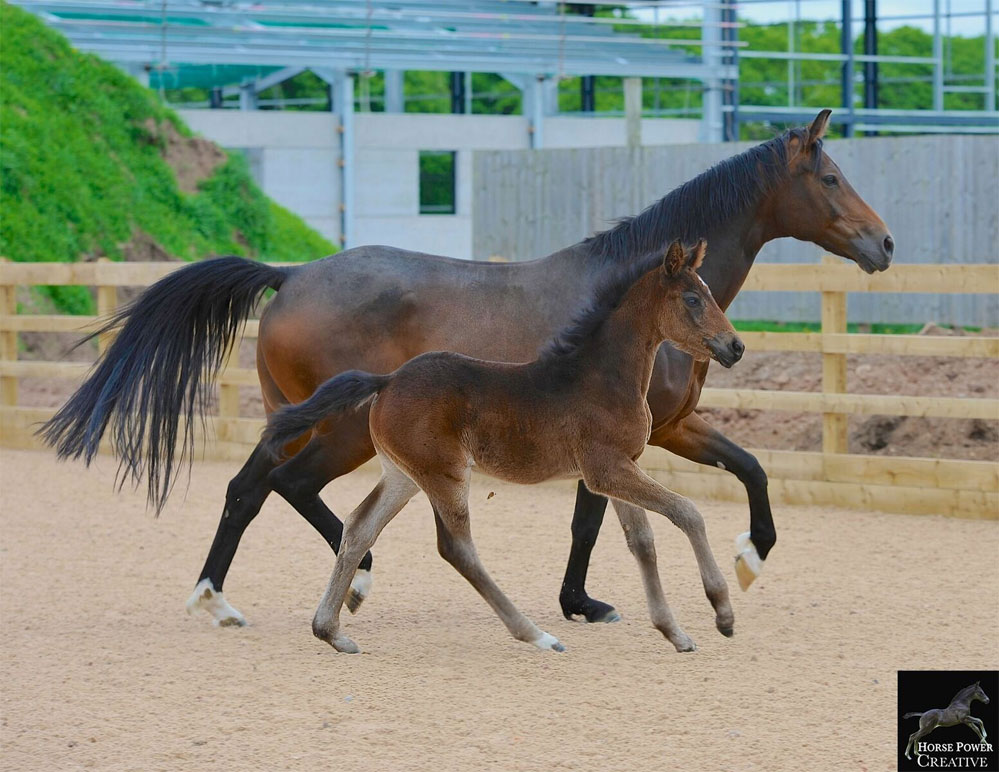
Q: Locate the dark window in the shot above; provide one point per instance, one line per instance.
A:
(437, 182)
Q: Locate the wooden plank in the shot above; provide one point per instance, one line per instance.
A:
(92, 274)
(970, 278)
(48, 323)
(953, 474)
(880, 498)
(834, 434)
(107, 302)
(864, 404)
(861, 343)
(8, 342)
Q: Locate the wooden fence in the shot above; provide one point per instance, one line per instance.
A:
(831, 477)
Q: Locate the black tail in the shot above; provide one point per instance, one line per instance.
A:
(153, 376)
(910, 715)
(344, 392)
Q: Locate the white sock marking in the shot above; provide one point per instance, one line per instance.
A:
(206, 598)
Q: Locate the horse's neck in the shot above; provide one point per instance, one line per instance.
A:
(732, 248)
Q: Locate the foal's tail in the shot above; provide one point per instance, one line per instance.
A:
(910, 715)
(157, 375)
(340, 394)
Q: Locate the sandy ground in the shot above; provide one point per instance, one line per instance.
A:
(102, 669)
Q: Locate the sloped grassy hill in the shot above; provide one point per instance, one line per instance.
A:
(89, 165)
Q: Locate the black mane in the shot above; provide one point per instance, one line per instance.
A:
(694, 209)
(604, 300)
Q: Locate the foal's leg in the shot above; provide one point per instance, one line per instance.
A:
(641, 542)
(621, 478)
(342, 447)
(454, 542)
(388, 498)
(976, 726)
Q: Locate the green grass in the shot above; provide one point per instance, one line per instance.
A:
(82, 169)
(762, 325)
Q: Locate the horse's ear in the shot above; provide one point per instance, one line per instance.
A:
(674, 259)
(697, 254)
(818, 128)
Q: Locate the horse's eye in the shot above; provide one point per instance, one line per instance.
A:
(830, 180)
(692, 300)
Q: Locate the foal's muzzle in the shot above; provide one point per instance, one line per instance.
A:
(726, 348)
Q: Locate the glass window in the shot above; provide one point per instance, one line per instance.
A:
(437, 184)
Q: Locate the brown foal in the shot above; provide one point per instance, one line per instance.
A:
(577, 411)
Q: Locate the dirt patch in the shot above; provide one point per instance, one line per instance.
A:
(102, 669)
(192, 159)
(866, 374)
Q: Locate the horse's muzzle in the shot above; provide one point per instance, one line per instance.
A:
(726, 348)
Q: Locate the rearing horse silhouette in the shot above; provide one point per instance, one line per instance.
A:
(958, 712)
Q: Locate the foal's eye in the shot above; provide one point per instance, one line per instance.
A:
(692, 300)
(830, 180)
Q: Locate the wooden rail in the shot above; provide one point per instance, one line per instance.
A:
(832, 477)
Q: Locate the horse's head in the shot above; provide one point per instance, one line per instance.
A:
(821, 206)
(691, 319)
(979, 693)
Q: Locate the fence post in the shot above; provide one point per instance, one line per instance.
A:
(228, 394)
(834, 426)
(107, 302)
(8, 343)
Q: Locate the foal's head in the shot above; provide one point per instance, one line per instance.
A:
(689, 316)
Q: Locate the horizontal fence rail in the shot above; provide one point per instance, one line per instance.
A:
(831, 477)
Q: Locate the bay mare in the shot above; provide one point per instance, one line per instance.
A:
(374, 308)
(579, 410)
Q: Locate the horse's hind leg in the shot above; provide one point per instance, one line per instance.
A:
(586, 521)
(454, 542)
(641, 542)
(389, 496)
(622, 478)
(343, 447)
(244, 497)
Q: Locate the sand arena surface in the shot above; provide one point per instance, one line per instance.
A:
(102, 669)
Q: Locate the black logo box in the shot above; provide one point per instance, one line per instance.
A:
(923, 690)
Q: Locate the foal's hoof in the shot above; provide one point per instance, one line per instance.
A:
(344, 645)
(748, 563)
(360, 588)
(548, 642)
(725, 628)
(206, 598)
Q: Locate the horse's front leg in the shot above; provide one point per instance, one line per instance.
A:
(694, 439)
(976, 725)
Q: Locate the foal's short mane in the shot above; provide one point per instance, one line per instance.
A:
(698, 206)
(604, 300)
(966, 691)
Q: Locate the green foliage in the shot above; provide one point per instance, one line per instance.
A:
(82, 169)
(878, 328)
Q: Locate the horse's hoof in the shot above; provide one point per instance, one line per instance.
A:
(593, 611)
(360, 588)
(548, 642)
(206, 598)
(725, 629)
(748, 563)
(681, 641)
(344, 645)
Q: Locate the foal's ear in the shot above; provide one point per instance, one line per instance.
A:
(697, 254)
(674, 259)
(818, 128)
